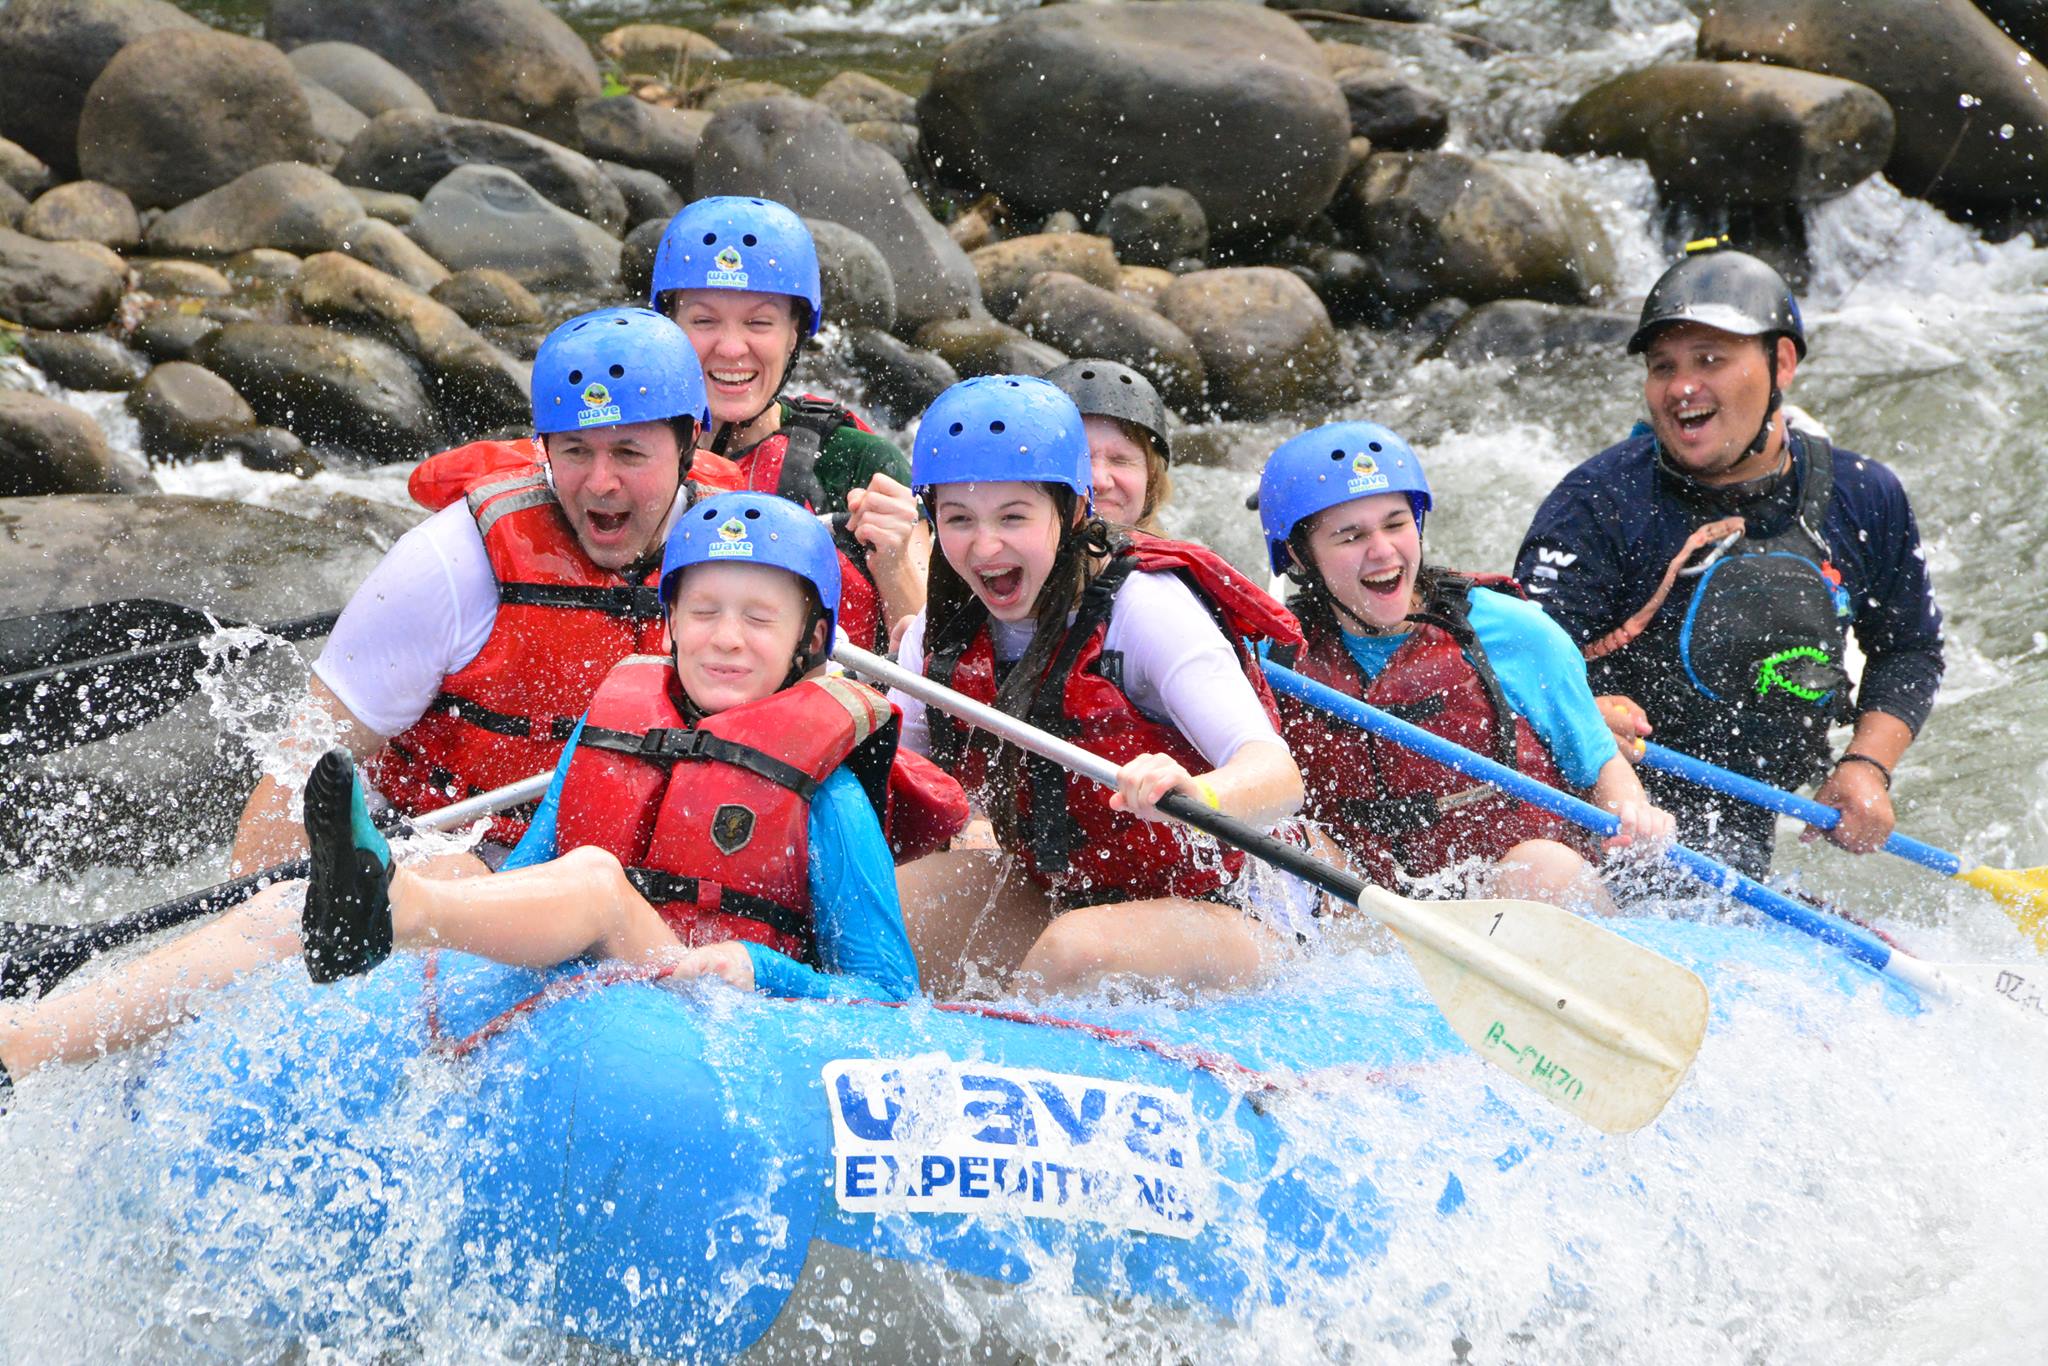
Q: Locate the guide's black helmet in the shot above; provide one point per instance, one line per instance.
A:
(1730, 291)
(1103, 388)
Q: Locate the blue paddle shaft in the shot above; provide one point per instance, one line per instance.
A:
(1787, 804)
(1857, 942)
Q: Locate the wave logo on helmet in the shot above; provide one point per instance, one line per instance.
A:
(731, 271)
(732, 541)
(598, 409)
(1366, 475)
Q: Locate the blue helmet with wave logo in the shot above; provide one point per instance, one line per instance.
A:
(733, 242)
(754, 528)
(1330, 465)
(613, 367)
(998, 428)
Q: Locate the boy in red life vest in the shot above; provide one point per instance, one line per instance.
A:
(719, 812)
(741, 277)
(1127, 644)
(1462, 656)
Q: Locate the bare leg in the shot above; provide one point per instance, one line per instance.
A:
(1195, 945)
(971, 918)
(535, 917)
(1544, 870)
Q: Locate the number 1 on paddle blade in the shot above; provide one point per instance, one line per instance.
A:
(1598, 1025)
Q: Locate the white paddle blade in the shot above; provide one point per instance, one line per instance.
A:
(2018, 986)
(1597, 1025)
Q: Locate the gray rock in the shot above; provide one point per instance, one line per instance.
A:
(510, 61)
(369, 84)
(725, 94)
(263, 266)
(1352, 287)
(85, 211)
(1717, 131)
(1234, 105)
(902, 380)
(899, 140)
(659, 49)
(381, 245)
(1144, 286)
(336, 123)
(272, 450)
(178, 113)
(22, 170)
(83, 360)
(744, 39)
(51, 447)
(51, 51)
(1154, 224)
(859, 290)
(182, 406)
(389, 205)
(632, 132)
(488, 298)
(1923, 58)
(857, 97)
(1081, 319)
(1266, 342)
(648, 197)
(1061, 220)
(1007, 269)
(324, 386)
(794, 151)
(983, 346)
(1522, 329)
(478, 387)
(287, 205)
(411, 152)
(636, 259)
(1477, 227)
(487, 216)
(173, 336)
(12, 206)
(1398, 114)
(55, 285)
(189, 279)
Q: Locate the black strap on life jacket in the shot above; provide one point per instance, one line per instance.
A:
(627, 601)
(807, 425)
(671, 745)
(503, 723)
(661, 888)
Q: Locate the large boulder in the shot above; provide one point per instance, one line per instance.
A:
(659, 49)
(286, 205)
(648, 197)
(1066, 312)
(51, 447)
(325, 386)
(85, 211)
(1155, 225)
(797, 152)
(1481, 228)
(54, 284)
(479, 387)
(1972, 108)
(411, 152)
(632, 132)
(489, 298)
(371, 85)
(1266, 342)
(1006, 269)
(854, 277)
(51, 51)
(1524, 330)
(487, 216)
(386, 247)
(178, 113)
(336, 123)
(1062, 107)
(983, 346)
(182, 406)
(83, 360)
(857, 97)
(902, 380)
(1396, 113)
(1719, 131)
(510, 61)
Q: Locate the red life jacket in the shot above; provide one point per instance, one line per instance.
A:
(1082, 849)
(1386, 805)
(562, 623)
(724, 853)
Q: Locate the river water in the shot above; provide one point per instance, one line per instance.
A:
(1839, 1181)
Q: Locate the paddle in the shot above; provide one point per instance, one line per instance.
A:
(1595, 1024)
(2019, 985)
(2022, 891)
(36, 955)
(78, 674)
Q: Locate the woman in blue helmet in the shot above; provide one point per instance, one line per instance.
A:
(741, 277)
(717, 812)
(1127, 643)
(1462, 656)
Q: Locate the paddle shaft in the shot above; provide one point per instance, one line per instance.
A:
(1787, 804)
(69, 947)
(1855, 941)
(298, 628)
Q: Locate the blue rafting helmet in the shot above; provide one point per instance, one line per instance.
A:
(755, 528)
(730, 242)
(615, 366)
(1330, 465)
(1002, 427)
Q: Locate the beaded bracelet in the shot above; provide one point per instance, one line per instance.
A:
(1882, 771)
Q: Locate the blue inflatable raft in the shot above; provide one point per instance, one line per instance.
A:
(696, 1173)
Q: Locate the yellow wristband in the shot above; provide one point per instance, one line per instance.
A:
(1209, 795)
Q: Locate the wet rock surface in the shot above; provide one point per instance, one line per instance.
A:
(51, 51)
(854, 276)
(1265, 339)
(84, 360)
(1081, 319)
(182, 406)
(371, 85)
(84, 211)
(286, 205)
(487, 216)
(411, 152)
(1007, 269)
(55, 284)
(47, 446)
(354, 392)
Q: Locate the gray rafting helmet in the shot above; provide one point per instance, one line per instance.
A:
(1103, 388)
(1730, 291)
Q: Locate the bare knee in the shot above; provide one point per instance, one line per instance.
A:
(1544, 870)
(1074, 953)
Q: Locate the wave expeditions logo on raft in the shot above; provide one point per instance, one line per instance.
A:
(598, 409)
(731, 272)
(930, 1135)
(733, 542)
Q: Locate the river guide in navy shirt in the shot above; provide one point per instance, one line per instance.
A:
(1713, 567)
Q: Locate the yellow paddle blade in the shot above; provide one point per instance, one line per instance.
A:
(1593, 1022)
(2022, 891)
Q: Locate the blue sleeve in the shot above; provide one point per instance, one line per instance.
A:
(1897, 622)
(1544, 678)
(858, 920)
(537, 845)
(1574, 559)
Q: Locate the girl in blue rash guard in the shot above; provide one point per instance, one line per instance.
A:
(639, 852)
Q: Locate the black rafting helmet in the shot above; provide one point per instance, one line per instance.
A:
(1103, 388)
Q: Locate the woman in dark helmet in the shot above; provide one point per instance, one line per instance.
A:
(1713, 567)
(1127, 445)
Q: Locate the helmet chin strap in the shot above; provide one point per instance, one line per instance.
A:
(1763, 431)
